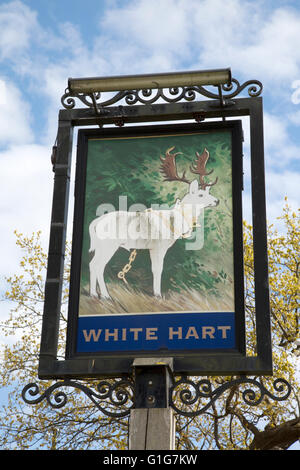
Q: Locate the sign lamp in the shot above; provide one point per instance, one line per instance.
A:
(149, 81)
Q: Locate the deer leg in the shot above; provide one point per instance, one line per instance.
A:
(100, 278)
(97, 277)
(157, 261)
(97, 267)
(93, 278)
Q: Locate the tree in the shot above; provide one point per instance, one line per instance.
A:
(230, 424)
(77, 425)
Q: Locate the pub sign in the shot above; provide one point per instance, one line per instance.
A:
(157, 241)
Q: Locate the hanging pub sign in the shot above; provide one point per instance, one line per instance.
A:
(157, 276)
(157, 245)
(157, 242)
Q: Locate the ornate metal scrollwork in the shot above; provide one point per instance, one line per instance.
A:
(185, 393)
(118, 395)
(170, 95)
(184, 396)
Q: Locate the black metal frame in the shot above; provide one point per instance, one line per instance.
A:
(234, 127)
(208, 364)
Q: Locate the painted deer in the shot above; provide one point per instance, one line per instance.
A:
(155, 230)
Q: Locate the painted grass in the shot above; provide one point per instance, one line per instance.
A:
(127, 300)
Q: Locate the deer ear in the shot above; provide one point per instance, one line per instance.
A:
(194, 187)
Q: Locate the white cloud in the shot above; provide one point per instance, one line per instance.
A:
(153, 26)
(15, 116)
(294, 118)
(17, 25)
(26, 180)
(250, 38)
(254, 39)
(275, 131)
(281, 183)
(281, 147)
(276, 53)
(141, 36)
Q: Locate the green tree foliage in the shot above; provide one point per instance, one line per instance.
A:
(230, 424)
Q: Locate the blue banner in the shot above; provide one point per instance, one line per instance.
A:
(154, 332)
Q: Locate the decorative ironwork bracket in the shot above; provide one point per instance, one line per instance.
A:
(107, 397)
(116, 399)
(186, 393)
(171, 95)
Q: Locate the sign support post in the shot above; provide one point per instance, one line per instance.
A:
(152, 421)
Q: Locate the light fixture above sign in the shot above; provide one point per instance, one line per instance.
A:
(150, 81)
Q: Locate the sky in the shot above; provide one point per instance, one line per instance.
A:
(44, 42)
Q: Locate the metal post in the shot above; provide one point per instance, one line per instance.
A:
(56, 254)
(152, 421)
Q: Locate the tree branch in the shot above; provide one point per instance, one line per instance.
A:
(277, 438)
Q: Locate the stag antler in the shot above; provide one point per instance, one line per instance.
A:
(198, 168)
(168, 167)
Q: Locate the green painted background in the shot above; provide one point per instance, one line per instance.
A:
(131, 167)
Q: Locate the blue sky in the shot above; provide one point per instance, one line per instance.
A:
(43, 42)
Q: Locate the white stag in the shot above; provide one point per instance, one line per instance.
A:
(155, 230)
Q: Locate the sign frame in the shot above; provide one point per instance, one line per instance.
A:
(236, 362)
(134, 135)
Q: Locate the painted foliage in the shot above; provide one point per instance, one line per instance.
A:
(143, 182)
